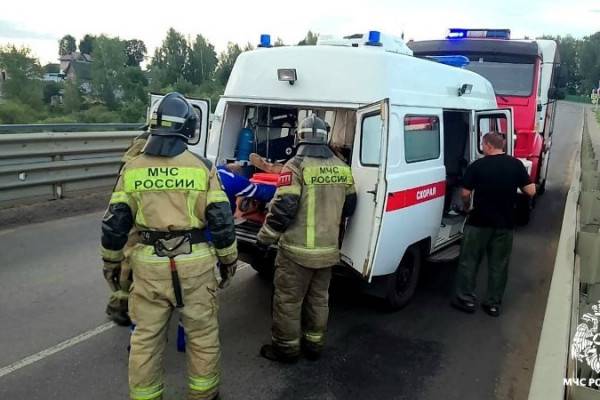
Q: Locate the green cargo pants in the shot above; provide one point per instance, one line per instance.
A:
(496, 244)
(300, 306)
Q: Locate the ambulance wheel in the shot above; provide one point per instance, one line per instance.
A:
(402, 284)
(264, 265)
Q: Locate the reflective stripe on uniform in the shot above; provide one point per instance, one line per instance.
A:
(227, 250)
(294, 343)
(216, 196)
(315, 250)
(156, 179)
(327, 175)
(111, 255)
(310, 217)
(314, 337)
(271, 233)
(297, 190)
(204, 383)
(146, 393)
(199, 252)
(192, 199)
(119, 197)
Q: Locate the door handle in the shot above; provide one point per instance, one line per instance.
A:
(373, 192)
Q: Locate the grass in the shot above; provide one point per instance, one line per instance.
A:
(578, 99)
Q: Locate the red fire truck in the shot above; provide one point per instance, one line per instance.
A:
(523, 74)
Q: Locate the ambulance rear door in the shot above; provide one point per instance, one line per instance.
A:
(202, 108)
(368, 168)
(485, 121)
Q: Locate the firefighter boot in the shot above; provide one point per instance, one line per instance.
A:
(273, 353)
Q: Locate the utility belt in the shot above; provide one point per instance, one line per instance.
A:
(194, 236)
(171, 244)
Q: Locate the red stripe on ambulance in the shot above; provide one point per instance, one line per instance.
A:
(414, 196)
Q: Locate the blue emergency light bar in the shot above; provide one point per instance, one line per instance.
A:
(374, 38)
(459, 33)
(454, 61)
(265, 40)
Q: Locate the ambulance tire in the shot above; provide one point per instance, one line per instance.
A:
(264, 265)
(402, 284)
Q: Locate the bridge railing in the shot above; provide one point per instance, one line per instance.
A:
(50, 165)
(568, 358)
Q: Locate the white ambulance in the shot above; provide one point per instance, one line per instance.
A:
(407, 126)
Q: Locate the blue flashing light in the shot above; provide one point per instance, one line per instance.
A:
(454, 61)
(457, 33)
(460, 33)
(265, 40)
(374, 38)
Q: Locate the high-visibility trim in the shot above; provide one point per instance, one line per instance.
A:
(413, 196)
(157, 179)
(227, 251)
(293, 343)
(270, 232)
(314, 337)
(310, 218)
(200, 251)
(328, 175)
(216, 196)
(140, 219)
(111, 255)
(146, 393)
(313, 251)
(295, 189)
(119, 197)
(204, 383)
(192, 199)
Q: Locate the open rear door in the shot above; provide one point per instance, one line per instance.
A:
(498, 120)
(202, 108)
(368, 168)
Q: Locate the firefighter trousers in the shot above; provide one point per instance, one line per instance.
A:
(300, 306)
(151, 304)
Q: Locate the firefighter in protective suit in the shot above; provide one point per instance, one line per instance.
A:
(117, 307)
(174, 200)
(315, 195)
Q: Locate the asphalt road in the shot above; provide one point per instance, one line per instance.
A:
(51, 290)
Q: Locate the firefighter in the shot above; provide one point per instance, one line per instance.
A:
(174, 200)
(117, 306)
(315, 195)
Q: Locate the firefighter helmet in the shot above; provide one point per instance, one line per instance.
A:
(312, 130)
(175, 116)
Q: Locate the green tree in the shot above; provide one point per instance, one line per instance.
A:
(589, 57)
(134, 85)
(24, 76)
(108, 69)
(51, 68)
(309, 40)
(202, 61)
(171, 58)
(66, 45)
(71, 98)
(226, 61)
(51, 89)
(136, 52)
(86, 45)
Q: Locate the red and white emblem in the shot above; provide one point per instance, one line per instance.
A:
(285, 179)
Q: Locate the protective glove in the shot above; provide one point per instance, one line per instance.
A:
(112, 273)
(227, 272)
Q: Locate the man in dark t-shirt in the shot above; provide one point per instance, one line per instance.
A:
(492, 183)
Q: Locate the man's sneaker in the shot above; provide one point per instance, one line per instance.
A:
(491, 309)
(463, 305)
(271, 353)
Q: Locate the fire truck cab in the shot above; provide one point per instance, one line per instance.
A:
(408, 127)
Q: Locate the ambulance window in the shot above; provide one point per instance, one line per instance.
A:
(370, 140)
(421, 138)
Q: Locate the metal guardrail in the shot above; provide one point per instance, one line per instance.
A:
(575, 286)
(51, 165)
(92, 127)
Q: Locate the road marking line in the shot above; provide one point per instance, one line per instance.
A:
(55, 349)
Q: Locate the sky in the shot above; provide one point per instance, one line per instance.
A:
(40, 24)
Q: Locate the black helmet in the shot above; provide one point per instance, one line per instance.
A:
(312, 130)
(175, 116)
